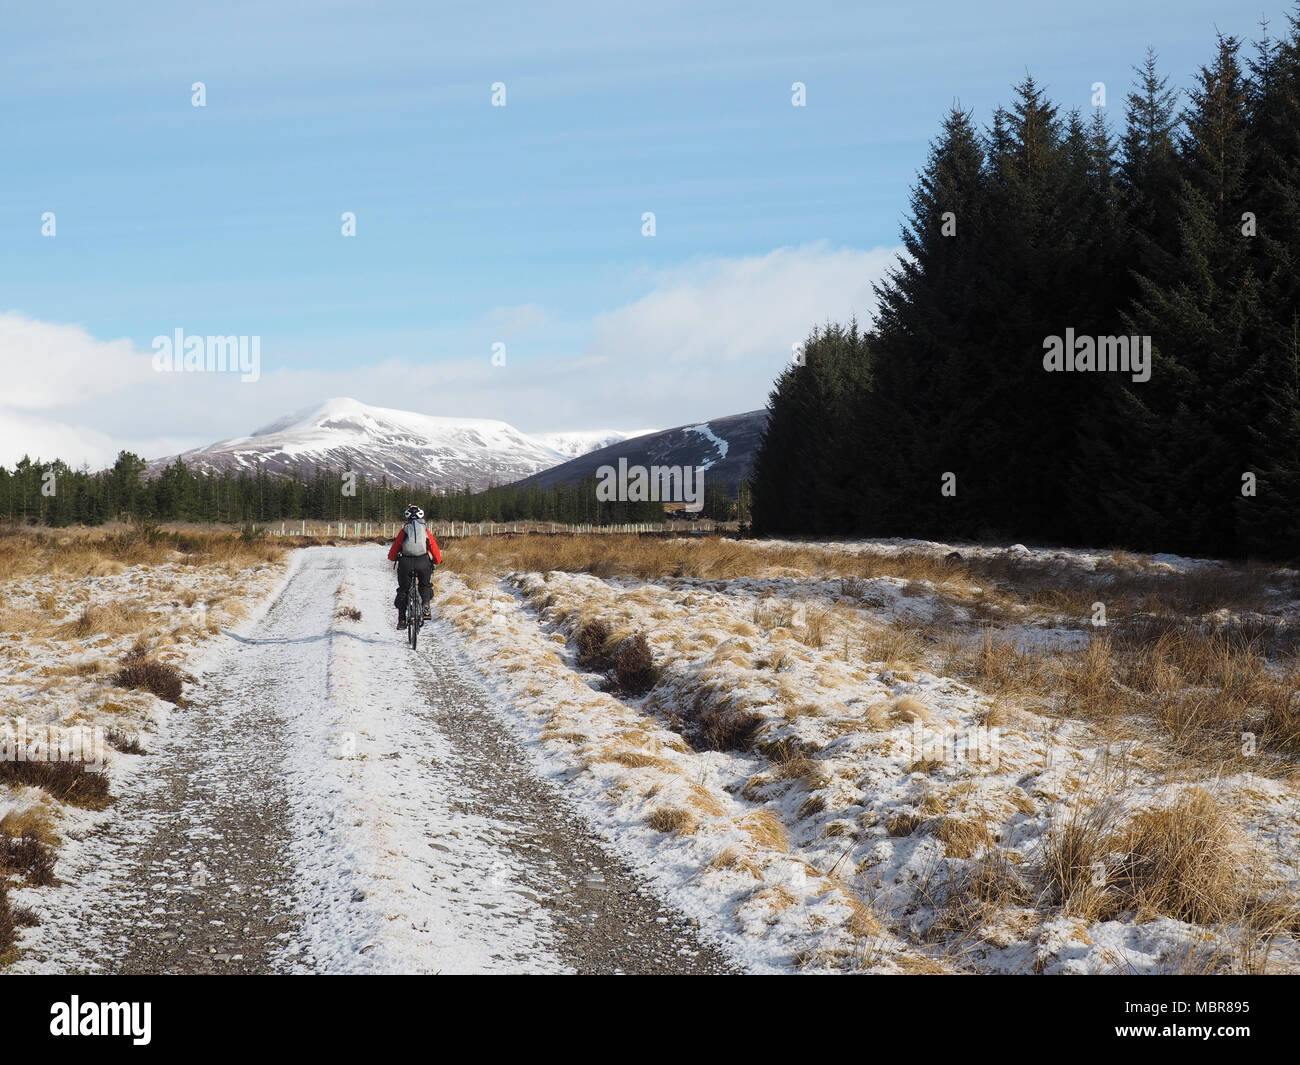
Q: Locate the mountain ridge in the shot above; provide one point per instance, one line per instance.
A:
(406, 447)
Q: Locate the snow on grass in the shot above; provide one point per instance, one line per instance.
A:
(67, 635)
(56, 667)
(840, 811)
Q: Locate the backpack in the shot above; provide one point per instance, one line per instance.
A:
(416, 540)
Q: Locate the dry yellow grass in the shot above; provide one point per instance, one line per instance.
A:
(107, 619)
(702, 799)
(1183, 861)
(1200, 687)
(909, 708)
(732, 859)
(790, 761)
(30, 821)
(863, 923)
(1158, 663)
(765, 828)
(632, 759)
(961, 837)
(775, 898)
(1076, 861)
(817, 627)
(1039, 582)
(84, 552)
(898, 644)
(903, 824)
(1188, 861)
(675, 820)
(983, 891)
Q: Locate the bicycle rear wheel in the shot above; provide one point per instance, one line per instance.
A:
(413, 611)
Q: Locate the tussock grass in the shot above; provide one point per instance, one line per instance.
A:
(909, 708)
(1183, 861)
(589, 643)
(673, 820)
(108, 619)
(812, 806)
(70, 782)
(863, 922)
(976, 896)
(634, 667)
(701, 798)
(719, 720)
(765, 828)
(86, 667)
(899, 643)
(790, 761)
(1188, 861)
(126, 742)
(31, 821)
(140, 671)
(25, 620)
(1165, 660)
(816, 628)
(903, 824)
(961, 837)
(772, 614)
(631, 759)
(733, 859)
(1076, 862)
(1201, 686)
(28, 857)
(999, 665)
(1126, 583)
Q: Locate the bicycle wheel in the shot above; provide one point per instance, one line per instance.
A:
(413, 611)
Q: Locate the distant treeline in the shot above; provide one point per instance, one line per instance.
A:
(52, 493)
(943, 421)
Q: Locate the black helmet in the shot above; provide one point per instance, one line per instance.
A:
(414, 513)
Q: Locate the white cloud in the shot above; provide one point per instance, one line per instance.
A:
(47, 366)
(50, 368)
(706, 339)
(743, 309)
(47, 438)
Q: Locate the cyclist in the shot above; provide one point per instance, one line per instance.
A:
(415, 551)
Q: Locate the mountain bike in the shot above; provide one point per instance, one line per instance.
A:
(414, 610)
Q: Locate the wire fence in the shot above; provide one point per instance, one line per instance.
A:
(449, 530)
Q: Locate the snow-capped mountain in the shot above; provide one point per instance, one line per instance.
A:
(407, 448)
(581, 441)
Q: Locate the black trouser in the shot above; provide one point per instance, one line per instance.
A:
(418, 564)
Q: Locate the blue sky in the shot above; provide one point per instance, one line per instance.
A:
(478, 224)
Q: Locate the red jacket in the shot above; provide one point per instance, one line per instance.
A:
(396, 549)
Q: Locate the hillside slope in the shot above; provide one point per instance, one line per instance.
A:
(725, 447)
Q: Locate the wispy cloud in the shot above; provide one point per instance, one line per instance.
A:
(742, 310)
(704, 339)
